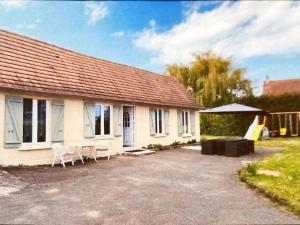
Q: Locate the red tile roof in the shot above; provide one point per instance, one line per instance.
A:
(279, 87)
(31, 65)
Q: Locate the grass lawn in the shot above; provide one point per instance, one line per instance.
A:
(208, 137)
(284, 188)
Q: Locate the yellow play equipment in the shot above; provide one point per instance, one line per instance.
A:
(282, 130)
(257, 130)
(288, 124)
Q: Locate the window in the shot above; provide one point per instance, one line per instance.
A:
(126, 119)
(102, 119)
(185, 118)
(159, 121)
(34, 120)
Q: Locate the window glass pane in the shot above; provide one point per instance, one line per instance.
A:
(27, 120)
(186, 122)
(41, 126)
(126, 119)
(106, 119)
(160, 120)
(98, 120)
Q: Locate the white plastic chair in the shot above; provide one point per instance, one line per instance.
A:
(102, 149)
(62, 154)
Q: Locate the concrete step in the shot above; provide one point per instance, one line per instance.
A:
(193, 147)
(138, 152)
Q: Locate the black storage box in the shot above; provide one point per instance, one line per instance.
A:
(251, 146)
(237, 148)
(228, 147)
(208, 147)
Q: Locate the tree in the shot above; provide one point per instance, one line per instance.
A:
(212, 79)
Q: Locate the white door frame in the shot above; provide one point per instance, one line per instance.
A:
(132, 129)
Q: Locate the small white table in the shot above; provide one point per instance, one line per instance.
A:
(89, 146)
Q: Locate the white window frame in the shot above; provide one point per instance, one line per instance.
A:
(101, 135)
(186, 132)
(35, 123)
(162, 121)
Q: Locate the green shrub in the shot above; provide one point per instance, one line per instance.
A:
(251, 169)
(150, 146)
(158, 146)
(175, 143)
(155, 146)
(193, 141)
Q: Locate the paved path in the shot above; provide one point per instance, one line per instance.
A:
(170, 187)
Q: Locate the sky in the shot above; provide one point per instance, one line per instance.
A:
(262, 37)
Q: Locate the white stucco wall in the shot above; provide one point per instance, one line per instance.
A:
(142, 130)
(74, 133)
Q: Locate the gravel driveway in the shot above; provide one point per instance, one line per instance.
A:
(169, 187)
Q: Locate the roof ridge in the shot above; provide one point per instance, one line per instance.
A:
(78, 53)
(284, 80)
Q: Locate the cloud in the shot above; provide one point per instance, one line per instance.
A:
(242, 29)
(118, 34)
(26, 26)
(32, 25)
(190, 7)
(13, 4)
(95, 11)
(152, 23)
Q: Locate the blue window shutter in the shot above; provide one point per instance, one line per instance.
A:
(152, 121)
(193, 132)
(13, 128)
(57, 121)
(166, 119)
(118, 120)
(179, 123)
(89, 120)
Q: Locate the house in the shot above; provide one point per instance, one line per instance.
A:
(49, 94)
(280, 87)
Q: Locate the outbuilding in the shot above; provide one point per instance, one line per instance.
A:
(287, 122)
(49, 94)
